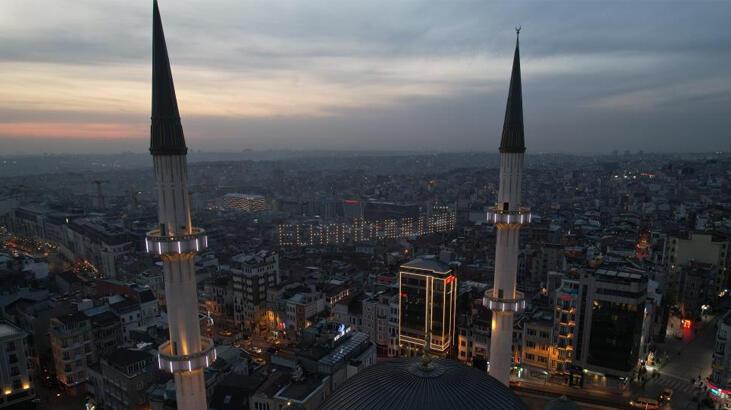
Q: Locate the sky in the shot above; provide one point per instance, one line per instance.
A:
(416, 75)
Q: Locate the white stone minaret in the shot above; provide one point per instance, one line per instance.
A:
(508, 216)
(176, 241)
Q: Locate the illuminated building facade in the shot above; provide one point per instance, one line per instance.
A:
(176, 241)
(361, 230)
(566, 302)
(537, 350)
(15, 365)
(250, 203)
(602, 325)
(509, 216)
(427, 306)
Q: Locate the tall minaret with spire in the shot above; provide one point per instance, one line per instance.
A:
(176, 241)
(508, 216)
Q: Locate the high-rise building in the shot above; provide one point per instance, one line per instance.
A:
(427, 306)
(509, 216)
(15, 366)
(176, 241)
(602, 324)
(612, 335)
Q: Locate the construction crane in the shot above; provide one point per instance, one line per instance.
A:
(99, 195)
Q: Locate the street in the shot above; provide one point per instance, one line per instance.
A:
(54, 398)
(688, 358)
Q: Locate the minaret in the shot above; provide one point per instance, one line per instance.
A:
(176, 241)
(508, 216)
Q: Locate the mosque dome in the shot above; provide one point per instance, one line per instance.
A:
(405, 384)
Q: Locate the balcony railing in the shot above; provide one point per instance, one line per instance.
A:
(158, 244)
(521, 216)
(181, 363)
(497, 304)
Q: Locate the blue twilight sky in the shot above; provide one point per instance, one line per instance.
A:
(402, 75)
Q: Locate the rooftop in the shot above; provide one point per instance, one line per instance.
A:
(126, 357)
(72, 318)
(299, 391)
(344, 350)
(430, 264)
(619, 274)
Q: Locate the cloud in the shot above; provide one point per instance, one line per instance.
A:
(292, 73)
(667, 95)
(69, 130)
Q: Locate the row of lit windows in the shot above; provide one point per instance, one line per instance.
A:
(359, 230)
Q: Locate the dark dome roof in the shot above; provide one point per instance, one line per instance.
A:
(404, 384)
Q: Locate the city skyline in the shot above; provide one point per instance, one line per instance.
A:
(373, 216)
(425, 77)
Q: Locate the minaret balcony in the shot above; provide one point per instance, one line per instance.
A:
(497, 304)
(169, 362)
(158, 244)
(521, 216)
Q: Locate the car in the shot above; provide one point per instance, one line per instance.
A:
(666, 395)
(644, 403)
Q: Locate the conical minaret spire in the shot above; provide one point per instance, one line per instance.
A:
(513, 140)
(166, 132)
(509, 216)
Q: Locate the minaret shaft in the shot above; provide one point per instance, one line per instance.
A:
(171, 174)
(180, 287)
(508, 215)
(176, 241)
(511, 175)
(506, 268)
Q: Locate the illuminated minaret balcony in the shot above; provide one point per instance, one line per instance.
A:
(158, 244)
(498, 216)
(172, 363)
(497, 304)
